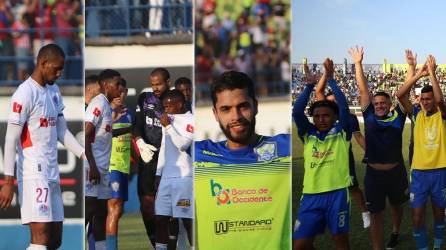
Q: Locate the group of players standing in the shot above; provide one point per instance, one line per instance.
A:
(158, 137)
(328, 157)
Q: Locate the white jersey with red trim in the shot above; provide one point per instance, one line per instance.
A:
(174, 161)
(36, 109)
(99, 113)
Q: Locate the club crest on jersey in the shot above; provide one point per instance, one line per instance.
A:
(43, 209)
(267, 151)
(190, 128)
(115, 186)
(16, 108)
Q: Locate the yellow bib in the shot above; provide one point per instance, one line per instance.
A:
(429, 141)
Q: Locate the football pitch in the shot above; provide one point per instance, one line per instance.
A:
(132, 234)
(359, 237)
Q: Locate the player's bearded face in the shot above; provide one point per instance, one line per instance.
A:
(235, 112)
(233, 133)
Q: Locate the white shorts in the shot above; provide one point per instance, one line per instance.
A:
(40, 201)
(175, 197)
(101, 191)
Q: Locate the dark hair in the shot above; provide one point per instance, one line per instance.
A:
(107, 74)
(324, 104)
(173, 93)
(231, 80)
(329, 93)
(183, 80)
(123, 82)
(427, 89)
(162, 72)
(49, 51)
(382, 93)
(91, 79)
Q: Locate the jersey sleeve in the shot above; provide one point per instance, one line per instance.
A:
(138, 125)
(368, 111)
(20, 106)
(354, 124)
(94, 112)
(401, 114)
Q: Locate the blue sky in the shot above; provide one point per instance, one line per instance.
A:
(385, 28)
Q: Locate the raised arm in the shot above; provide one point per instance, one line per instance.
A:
(438, 96)
(403, 92)
(411, 60)
(337, 92)
(320, 87)
(357, 54)
(301, 120)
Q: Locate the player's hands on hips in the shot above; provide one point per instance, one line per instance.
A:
(164, 119)
(7, 193)
(93, 175)
(147, 151)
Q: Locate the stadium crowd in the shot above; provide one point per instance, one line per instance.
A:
(376, 78)
(26, 25)
(251, 37)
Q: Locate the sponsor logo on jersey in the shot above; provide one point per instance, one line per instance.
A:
(205, 152)
(183, 203)
(237, 196)
(228, 226)
(43, 209)
(96, 112)
(16, 108)
(115, 186)
(222, 195)
(47, 122)
(266, 151)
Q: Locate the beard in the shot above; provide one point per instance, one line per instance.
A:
(240, 138)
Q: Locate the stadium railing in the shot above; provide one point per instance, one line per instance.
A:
(123, 19)
(40, 35)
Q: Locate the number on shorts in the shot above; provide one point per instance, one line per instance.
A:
(341, 222)
(39, 194)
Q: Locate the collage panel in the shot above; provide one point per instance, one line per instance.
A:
(369, 112)
(41, 96)
(139, 124)
(242, 135)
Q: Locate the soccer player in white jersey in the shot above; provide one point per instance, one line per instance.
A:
(174, 180)
(98, 141)
(35, 124)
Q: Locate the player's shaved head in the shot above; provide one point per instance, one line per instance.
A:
(231, 80)
(49, 52)
(107, 74)
(164, 73)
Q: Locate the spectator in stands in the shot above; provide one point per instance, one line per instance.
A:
(6, 44)
(22, 42)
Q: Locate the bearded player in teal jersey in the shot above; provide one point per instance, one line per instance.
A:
(242, 160)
